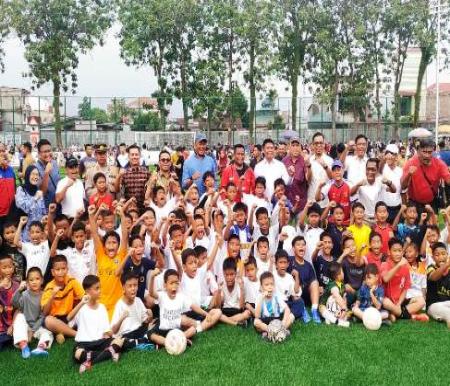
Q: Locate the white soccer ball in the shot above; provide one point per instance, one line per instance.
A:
(276, 331)
(372, 319)
(175, 342)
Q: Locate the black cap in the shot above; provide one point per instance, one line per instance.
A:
(71, 162)
(426, 142)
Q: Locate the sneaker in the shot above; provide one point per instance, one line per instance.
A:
(421, 318)
(145, 347)
(114, 355)
(316, 316)
(85, 366)
(60, 338)
(243, 324)
(386, 322)
(26, 352)
(40, 352)
(306, 318)
(343, 323)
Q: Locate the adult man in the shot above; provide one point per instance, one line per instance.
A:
(27, 158)
(422, 175)
(164, 174)
(197, 165)
(320, 170)
(178, 161)
(122, 157)
(48, 170)
(270, 168)
(297, 169)
(256, 156)
(7, 185)
(134, 178)
(281, 151)
(111, 172)
(88, 161)
(239, 173)
(392, 172)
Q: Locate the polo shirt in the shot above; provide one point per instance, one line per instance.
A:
(65, 299)
(198, 164)
(400, 282)
(298, 186)
(271, 171)
(339, 194)
(53, 180)
(386, 232)
(355, 168)
(318, 174)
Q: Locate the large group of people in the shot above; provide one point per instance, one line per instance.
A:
(117, 255)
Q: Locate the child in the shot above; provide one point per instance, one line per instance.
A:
(70, 190)
(101, 195)
(408, 228)
(131, 318)
(371, 293)
(172, 305)
(263, 260)
(333, 303)
(353, 266)
(438, 292)
(251, 284)
(312, 231)
(397, 281)
(208, 283)
(36, 251)
(199, 234)
(9, 248)
(259, 199)
(161, 204)
(359, 230)
(110, 252)
(80, 257)
(7, 289)
(308, 280)
(270, 306)
(322, 257)
(418, 274)
(382, 227)
(232, 296)
(432, 235)
(240, 228)
(29, 320)
(374, 255)
(336, 228)
(59, 298)
(263, 227)
(93, 340)
(287, 285)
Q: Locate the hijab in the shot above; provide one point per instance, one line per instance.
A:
(27, 185)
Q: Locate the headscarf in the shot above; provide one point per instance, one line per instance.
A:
(27, 185)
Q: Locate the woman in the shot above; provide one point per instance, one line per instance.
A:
(29, 199)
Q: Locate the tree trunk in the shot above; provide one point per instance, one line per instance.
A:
(424, 61)
(209, 117)
(56, 111)
(161, 85)
(184, 95)
(334, 103)
(251, 77)
(294, 80)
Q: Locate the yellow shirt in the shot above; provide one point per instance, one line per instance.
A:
(361, 237)
(111, 288)
(65, 299)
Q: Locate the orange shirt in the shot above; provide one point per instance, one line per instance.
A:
(97, 200)
(65, 299)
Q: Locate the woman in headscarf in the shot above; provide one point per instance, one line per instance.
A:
(30, 199)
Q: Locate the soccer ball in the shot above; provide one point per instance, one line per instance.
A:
(175, 342)
(372, 319)
(276, 333)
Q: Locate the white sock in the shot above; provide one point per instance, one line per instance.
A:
(314, 307)
(329, 316)
(199, 327)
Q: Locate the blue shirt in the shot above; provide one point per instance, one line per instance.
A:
(53, 180)
(364, 296)
(198, 164)
(305, 272)
(444, 155)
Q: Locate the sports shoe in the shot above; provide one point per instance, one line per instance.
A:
(114, 355)
(145, 347)
(386, 322)
(243, 324)
(343, 323)
(26, 352)
(306, 318)
(85, 366)
(421, 317)
(60, 338)
(316, 316)
(39, 352)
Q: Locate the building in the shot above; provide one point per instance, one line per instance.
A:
(14, 108)
(444, 103)
(41, 112)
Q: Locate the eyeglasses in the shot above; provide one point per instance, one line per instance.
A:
(165, 160)
(318, 143)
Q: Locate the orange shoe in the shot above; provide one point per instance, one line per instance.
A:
(421, 317)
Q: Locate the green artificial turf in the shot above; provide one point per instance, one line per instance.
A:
(407, 353)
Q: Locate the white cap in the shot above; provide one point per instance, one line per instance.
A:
(392, 148)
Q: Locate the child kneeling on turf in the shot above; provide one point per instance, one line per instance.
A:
(172, 305)
(333, 303)
(93, 339)
(270, 306)
(29, 321)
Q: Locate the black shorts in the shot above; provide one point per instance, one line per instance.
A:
(140, 332)
(95, 345)
(194, 315)
(230, 312)
(269, 319)
(157, 331)
(251, 304)
(62, 318)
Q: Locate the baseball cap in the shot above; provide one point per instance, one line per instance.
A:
(337, 164)
(295, 139)
(101, 148)
(392, 148)
(200, 137)
(71, 162)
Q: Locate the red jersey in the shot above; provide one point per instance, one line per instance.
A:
(386, 232)
(341, 195)
(400, 282)
(371, 258)
(97, 199)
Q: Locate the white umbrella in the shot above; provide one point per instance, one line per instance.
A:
(288, 134)
(419, 133)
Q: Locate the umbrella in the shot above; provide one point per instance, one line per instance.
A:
(419, 133)
(288, 134)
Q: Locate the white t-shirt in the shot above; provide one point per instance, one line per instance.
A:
(369, 195)
(74, 198)
(271, 171)
(170, 310)
(36, 255)
(137, 313)
(231, 299)
(263, 266)
(312, 237)
(204, 242)
(394, 175)
(163, 211)
(80, 264)
(318, 175)
(271, 308)
(251, 290)
(191, 288)
(250, 200)
(285, 285)
(91, 323)
(272, 236)
(122, 160)
(356, 170)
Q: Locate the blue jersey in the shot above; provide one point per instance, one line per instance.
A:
(305, 272)
(364, 296)
(413, 232)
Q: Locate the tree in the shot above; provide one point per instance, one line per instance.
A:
(4, 28)
(99, 115)
(146, 121)
(118, 110)
(84, 108)
(237, 105)
(54, 33)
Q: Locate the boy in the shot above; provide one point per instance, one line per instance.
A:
(232, 296)
(70, 190)
(93, 339)
(251, 284)
(333, 303)
(408, 228)
(308, 280)
(418, 274)
(312, 231)
(374, 256)
(263, 260)
(7, 289)
(438, 292)
(258, 199)
(263, 227)
(59, 298)
(240, 228)
(36, 251)
(29, 320)
(371, 294)
(9, 248)
(397, 281)
(175, 246)
(382, 227)
(199, 234)
(322, 258)
(287, 285)
(270, 306)
(336, 228)
(161, 204)
(359, 230)
(101, 196)
(81, 257)
(172, 305)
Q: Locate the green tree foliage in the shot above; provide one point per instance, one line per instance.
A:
(4, 28)
(146, 121)
(55, 33)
